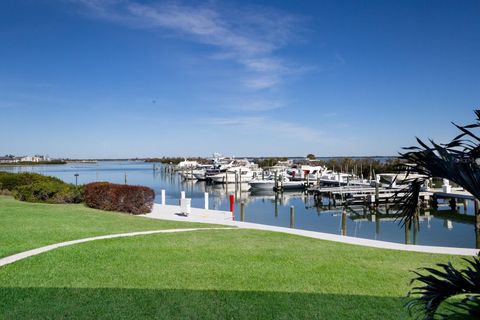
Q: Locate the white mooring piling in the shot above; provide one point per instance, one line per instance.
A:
(182, 195)
(163, 198)
(206, 200)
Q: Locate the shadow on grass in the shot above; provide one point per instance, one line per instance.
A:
(114, 303)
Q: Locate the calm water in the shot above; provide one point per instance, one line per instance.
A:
(442, 228)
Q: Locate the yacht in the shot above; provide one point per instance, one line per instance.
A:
(232, 175)
(267, 183)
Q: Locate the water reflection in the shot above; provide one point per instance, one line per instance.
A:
(442, 226)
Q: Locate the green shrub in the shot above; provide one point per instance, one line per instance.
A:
(10, 181)
(49, 192)
(118, 197)
(34, 187)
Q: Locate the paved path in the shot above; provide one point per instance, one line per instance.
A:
(169, 212)
(34, 252)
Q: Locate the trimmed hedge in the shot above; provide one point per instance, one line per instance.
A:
(119, 197)
(34, 187)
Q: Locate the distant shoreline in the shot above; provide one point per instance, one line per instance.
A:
(28, 163)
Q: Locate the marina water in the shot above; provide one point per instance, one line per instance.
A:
(441, 227)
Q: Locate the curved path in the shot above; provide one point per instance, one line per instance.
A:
(34, 252)
(169, 212)
(236, 225)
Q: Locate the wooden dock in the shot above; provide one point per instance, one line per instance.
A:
(370, 195)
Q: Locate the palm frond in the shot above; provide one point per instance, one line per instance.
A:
(455, 161)
(439, 285)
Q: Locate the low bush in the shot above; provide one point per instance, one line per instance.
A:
(118, 197)
(10, 181)
(34, 187)
(49, 192)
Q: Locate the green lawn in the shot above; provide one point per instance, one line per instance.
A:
(25, 226)
(217, 274)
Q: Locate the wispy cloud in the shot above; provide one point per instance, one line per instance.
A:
(266, 125)
(249, 36)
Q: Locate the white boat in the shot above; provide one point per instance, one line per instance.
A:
(292, 185)
(193, 174)
(186, 164)
(262, 184)
(200, 175)
(267, 184)
(233, 175)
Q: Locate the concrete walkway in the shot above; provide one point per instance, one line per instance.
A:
(34, 252)
(169, 212)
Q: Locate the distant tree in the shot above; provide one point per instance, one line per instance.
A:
(311, 156)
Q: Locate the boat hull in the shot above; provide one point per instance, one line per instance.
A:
(292, 185)
(230, 178)
(260, 185)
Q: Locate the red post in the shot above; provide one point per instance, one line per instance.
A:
(232, 200)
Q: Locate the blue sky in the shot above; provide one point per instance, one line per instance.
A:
(108, 79)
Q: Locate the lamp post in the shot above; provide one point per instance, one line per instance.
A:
(76, 178)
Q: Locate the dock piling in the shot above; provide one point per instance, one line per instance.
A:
(206, 200)
(344, 222)
(292, 217)
(163, 197)
(242, 211)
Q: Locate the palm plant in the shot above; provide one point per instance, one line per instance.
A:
(442, 285)
(457, 161)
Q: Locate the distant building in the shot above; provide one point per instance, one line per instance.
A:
(13, 159)
(35, 158)
(9, 159)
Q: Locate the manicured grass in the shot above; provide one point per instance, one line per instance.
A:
(25, 226)
(228, 274)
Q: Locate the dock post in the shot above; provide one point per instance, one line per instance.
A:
(226, 177)
(182, 195)
(242, 211)
(276, 204)
(292, 217)
(415, 227)
(344, 222)
(407, 233)
(453, 204)
(434, 201)
(206, 200)
(276, 182)
(377, 196)
(477, 223)
(163, 197)
(232, 200)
